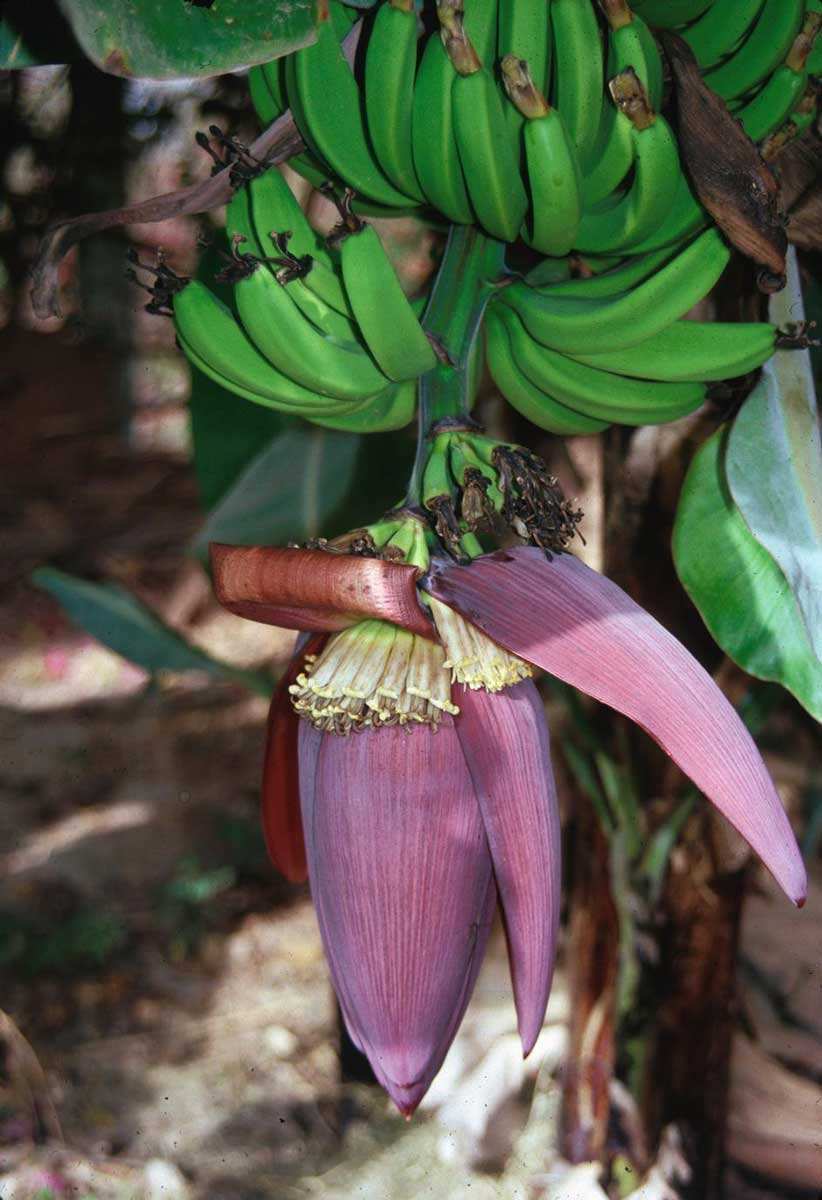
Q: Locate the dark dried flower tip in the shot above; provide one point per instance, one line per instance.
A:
(349, 222)
(534, 504)
(164, 286)
(476, 509)
(447, 527)
(231, 153)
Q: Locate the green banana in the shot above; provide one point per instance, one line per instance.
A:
(631, 47)
(772, 104)
(692, 350)
(288, 268)
(718, 32)
(778, 96)
(573, 326)
(390, 66)
(551, 163)
(612, 157)
(480, 19)
(216, 343)
(521, 394)
(597, 393)
(489, 160)
(386, 319)
(578, 80)
(326, 104)
(645, 205)
(436, 158)
(653, 62)
(381, 414)
(761, 52)
(436, 477)
(668, 14)
(611, 282)
(523, 30)
(296, 347)
(685, 217)
(274, 209)
(265, 104)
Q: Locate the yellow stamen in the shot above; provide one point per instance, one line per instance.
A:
(472, 657)
(374, 674)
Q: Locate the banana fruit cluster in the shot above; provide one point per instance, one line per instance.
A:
(538, 121)
(325, 334)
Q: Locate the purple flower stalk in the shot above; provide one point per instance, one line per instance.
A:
(443, 802)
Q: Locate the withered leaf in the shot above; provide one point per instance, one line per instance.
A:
(726, 170)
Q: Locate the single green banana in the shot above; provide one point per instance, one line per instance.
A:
(761, 52)
(480, 18)
(523, 30)
(382, 414)
(215, 342)
(275, 79)
(489, 159)
(772, 104)
(668, 14)
(296, 347)
(578, 80)
(521, 394)
(647, 202)
(653, 62)
(386, 319)
(597, 393)
(719, 31)
(574, 326)
(612, 157)
(551, 163)
(437, 481)
(685, 217)
(692, 350)
(390, 67)
(436, 158)
(265, 105)
(326, 104)
(613, 281)
(631, 47)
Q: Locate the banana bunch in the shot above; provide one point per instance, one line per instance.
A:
(575, 355)
(532, 118)
(324, 334)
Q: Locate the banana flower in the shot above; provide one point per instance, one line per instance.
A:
(442, 802)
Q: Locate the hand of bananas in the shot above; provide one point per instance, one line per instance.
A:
(532, 119)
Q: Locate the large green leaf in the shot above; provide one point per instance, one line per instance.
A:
(227, 433)
(287, 493)
(774, 464)
(120, 621)
(740, 592)
(164, 39)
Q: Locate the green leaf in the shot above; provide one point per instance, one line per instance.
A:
(120, 621)
(174, 39)
(774, 464)
(227, 433)
(287, 493)
(742, 596)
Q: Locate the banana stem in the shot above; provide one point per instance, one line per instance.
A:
(470, 267)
